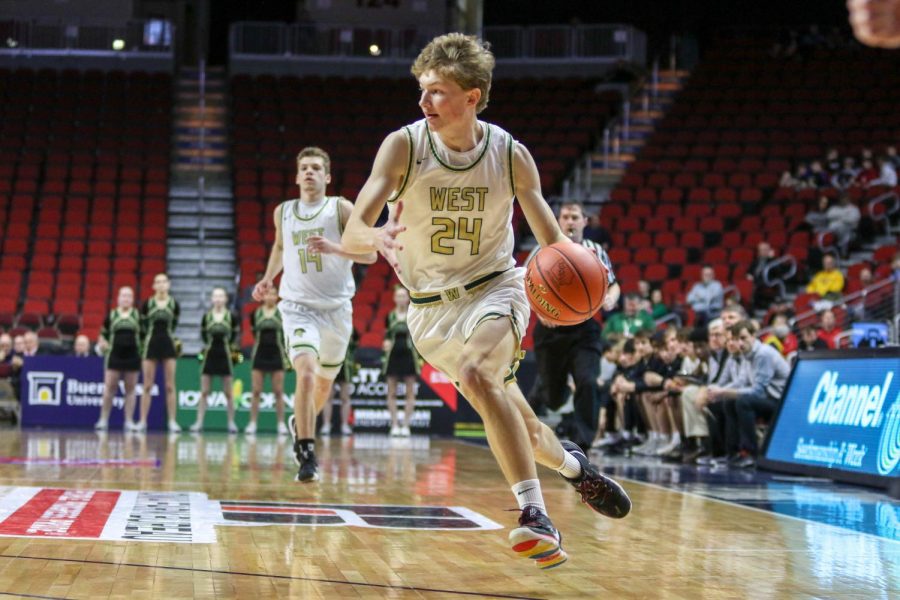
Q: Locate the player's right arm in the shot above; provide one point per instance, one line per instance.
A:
(388, 171)
(275, 261)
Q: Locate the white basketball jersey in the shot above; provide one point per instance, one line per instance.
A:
(320, 281)
(457, 209)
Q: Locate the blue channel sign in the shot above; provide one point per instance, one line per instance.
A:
(841, 413)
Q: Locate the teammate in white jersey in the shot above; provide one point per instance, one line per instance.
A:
(450, 180)
(315, 291)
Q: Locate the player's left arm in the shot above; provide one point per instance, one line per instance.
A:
(320, 244)
(527, 185)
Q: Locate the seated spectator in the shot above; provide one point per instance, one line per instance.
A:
(829, 282)
(781, 338)
(832, 160)
(810, 340)
(843, 221)
(658, 308)
(633, 362)
(707, 297)
(795, 180)
(644, 292)
(6, 348)
(862, 281)
(817, 219)
(891, 153)
(32, 344)
(887, 173)
(815, 176)
(866, 175)
(764, 374)
(828, 328)
(762, 294)
(629, 321)
(82, 346)
(846, 175)
(595, 232)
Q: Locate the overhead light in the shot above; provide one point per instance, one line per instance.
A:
(374, 50)
(11, 42)
(118, 44)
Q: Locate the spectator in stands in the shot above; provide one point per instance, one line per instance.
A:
(644, 292)
(832, 160)
(32, 344)
(658, 308)
(796, 179)
(762, 294)
(765, 373)
(595, 232)
(629, 321)
(19, 345)
(828, 328)
(866, 175)
(843, 221)
(781, 337)
(82, 346)
(829, 282)
(817, 219)
(891, 153)
(810, 340)
(845, 177)
(707, 297)
(815, 177)
(6, 348)
(887, 173)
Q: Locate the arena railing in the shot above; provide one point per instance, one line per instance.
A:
(543, 43)
(146, 38)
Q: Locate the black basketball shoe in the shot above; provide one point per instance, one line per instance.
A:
(537, 538)
(305, 459)
(597, 490)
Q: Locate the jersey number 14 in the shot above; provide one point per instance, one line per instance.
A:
(307, 258)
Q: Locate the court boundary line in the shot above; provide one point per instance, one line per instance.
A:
(270, 576)
(20, 595)
(727, 502)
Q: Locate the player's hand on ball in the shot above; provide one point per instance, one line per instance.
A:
(319, 245)
(260, 289)
(386, 238)
(876, 22)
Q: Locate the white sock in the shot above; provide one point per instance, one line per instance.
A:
(570, 467)
(676, 438)
(529, 492)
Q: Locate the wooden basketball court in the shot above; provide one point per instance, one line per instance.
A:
(221, 517)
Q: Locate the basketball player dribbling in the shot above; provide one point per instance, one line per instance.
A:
(449, 180)
(316, 290)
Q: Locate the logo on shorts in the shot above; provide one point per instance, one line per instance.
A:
(45, 388)
(299, 332)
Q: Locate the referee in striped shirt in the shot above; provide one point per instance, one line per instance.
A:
(561, 350)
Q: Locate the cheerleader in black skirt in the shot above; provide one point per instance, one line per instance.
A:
(159, 317)
(269, 358)
(219, 331)
(120, 343)
(400, 361)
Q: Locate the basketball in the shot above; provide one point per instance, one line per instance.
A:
(565, 283)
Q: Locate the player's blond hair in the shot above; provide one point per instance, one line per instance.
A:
(462, 58)
(315, 151)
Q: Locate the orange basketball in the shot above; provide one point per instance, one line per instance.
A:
(566, 283)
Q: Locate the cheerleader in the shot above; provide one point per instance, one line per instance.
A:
(269, 357)
(159, 316)
(218, 330)
(120, 343)
(344, 379)
(400, 360)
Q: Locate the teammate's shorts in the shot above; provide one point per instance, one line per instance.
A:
(440, 331)
(324, 333)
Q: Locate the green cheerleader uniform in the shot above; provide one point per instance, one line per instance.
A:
(218, 336)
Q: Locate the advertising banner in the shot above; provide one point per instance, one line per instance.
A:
(436, 400)
(65, 391)
(840, 417)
